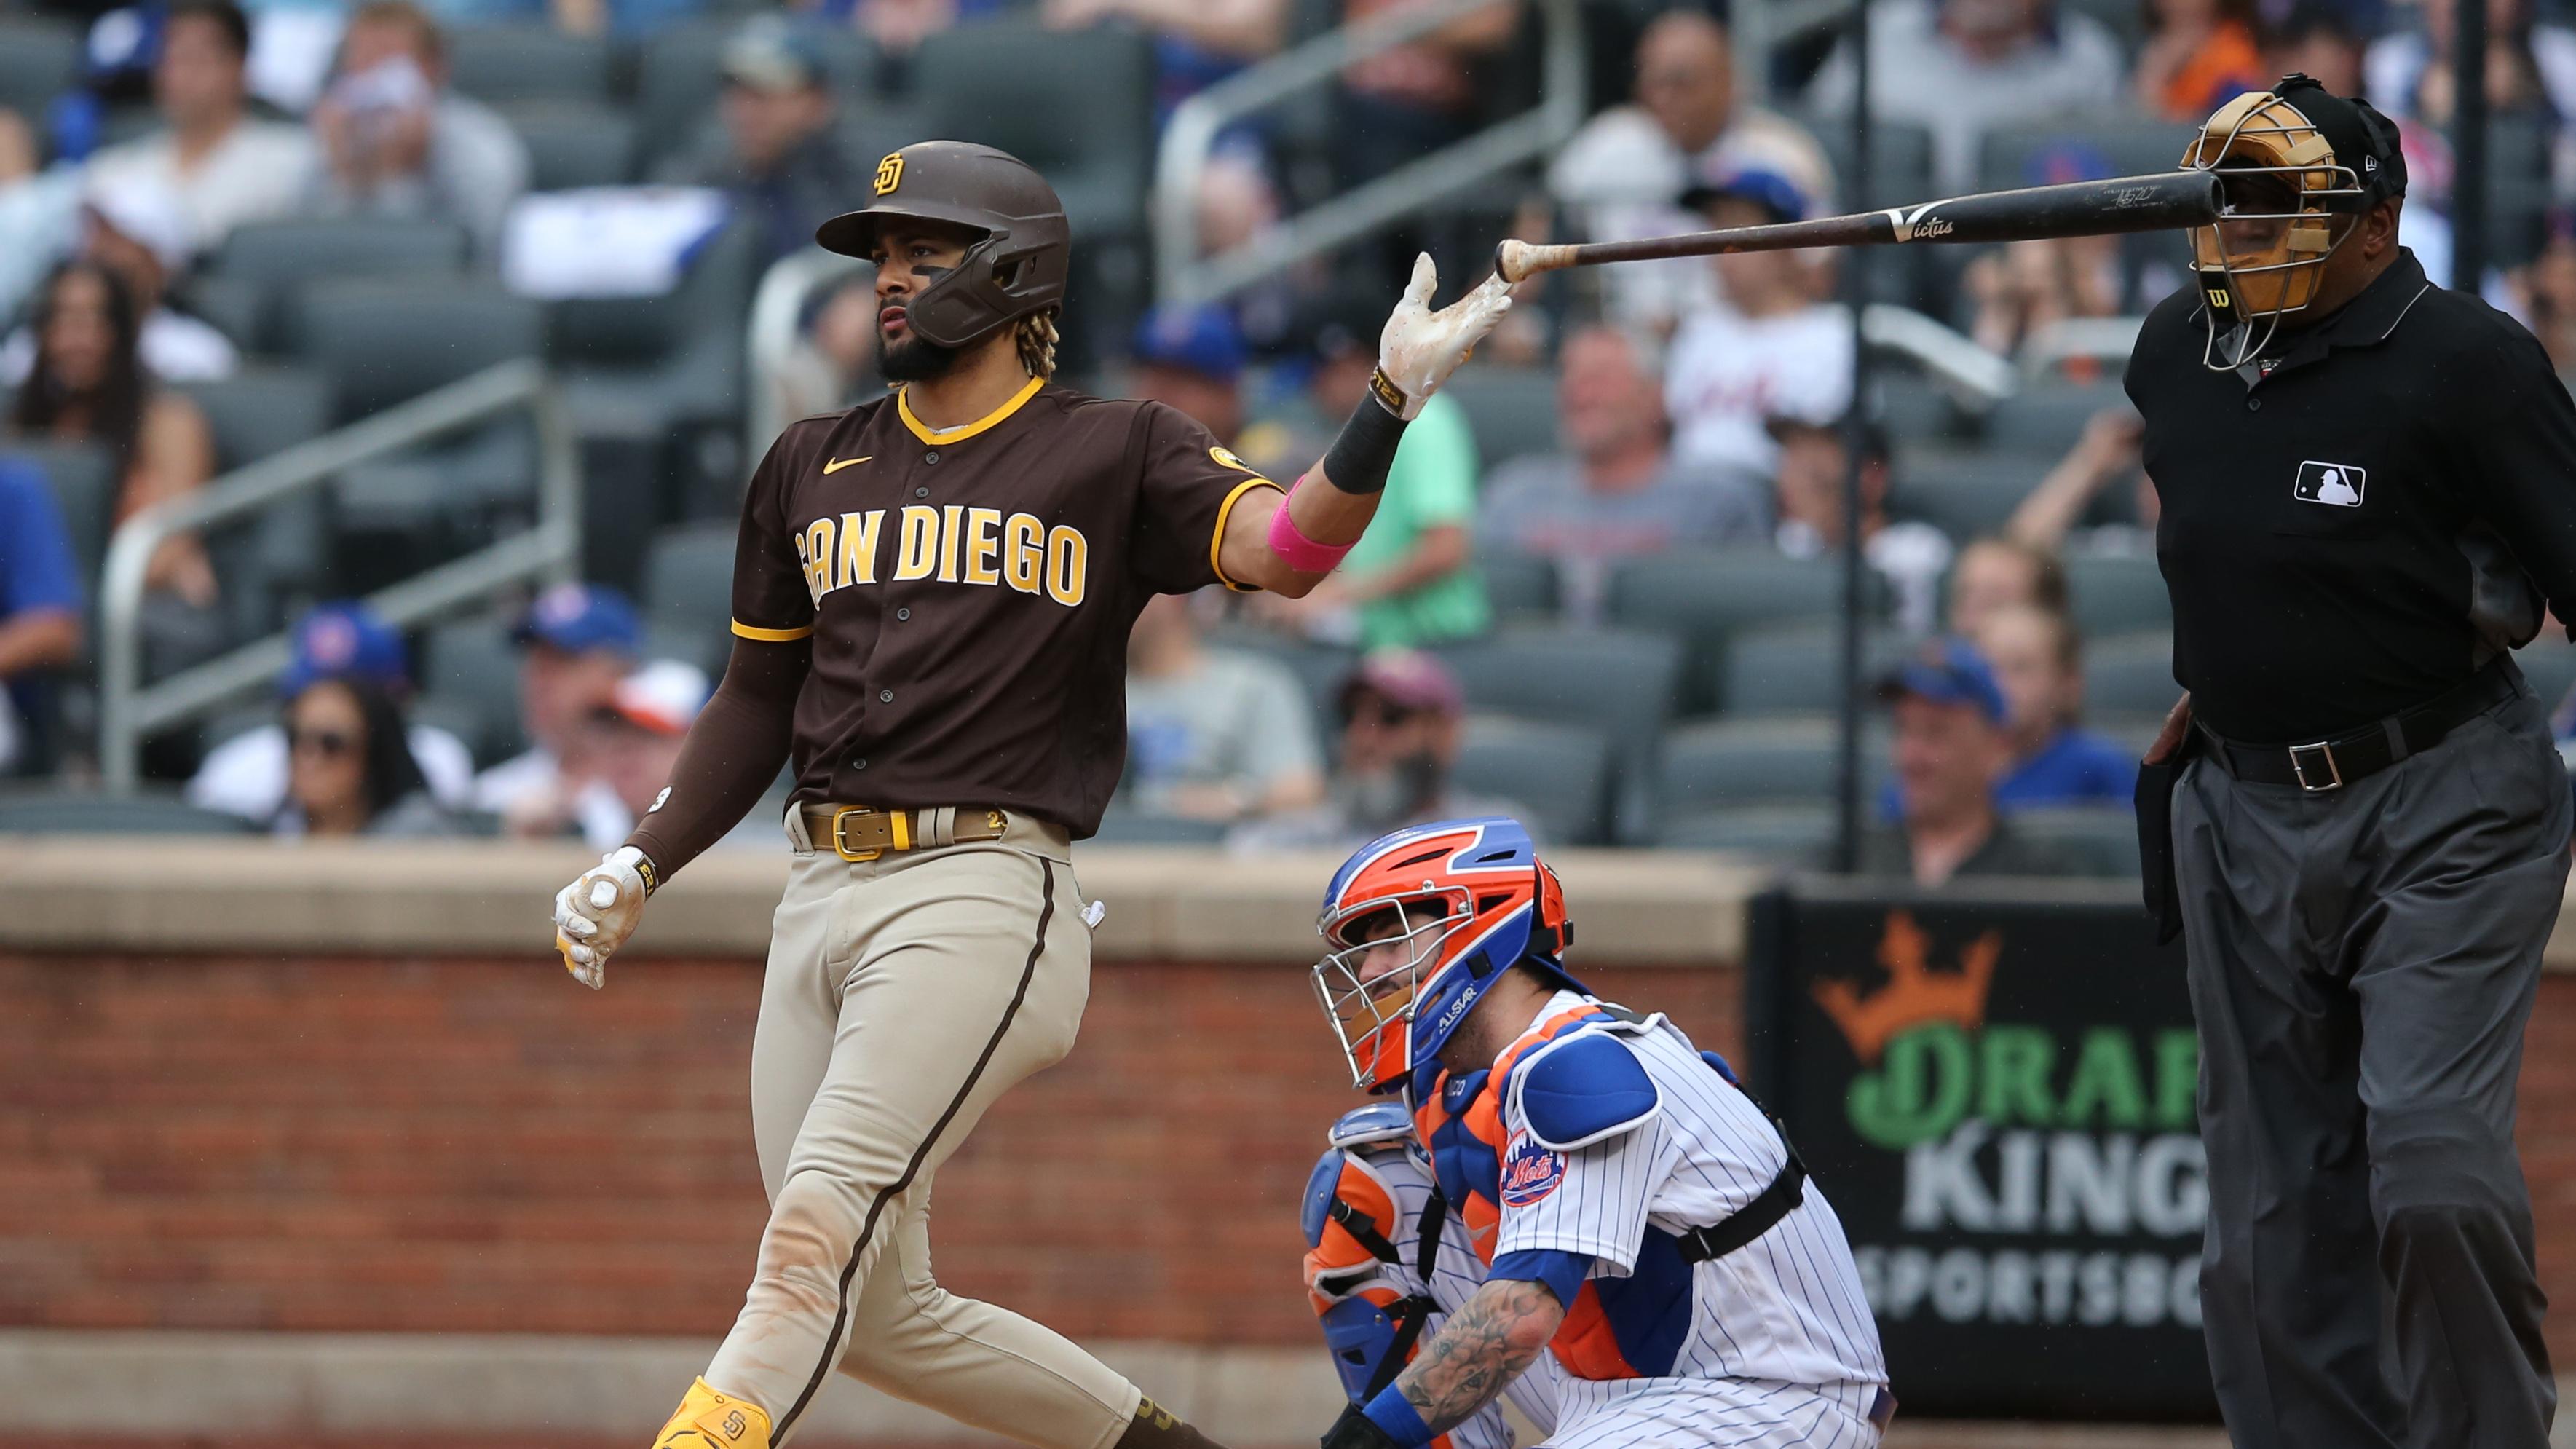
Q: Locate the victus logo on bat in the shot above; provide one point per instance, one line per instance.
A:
(1918, 224)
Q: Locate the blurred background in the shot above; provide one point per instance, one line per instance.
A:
(377, 385)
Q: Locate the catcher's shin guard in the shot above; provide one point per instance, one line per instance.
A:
(710, 1420)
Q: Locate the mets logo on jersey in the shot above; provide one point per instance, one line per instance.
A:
(1531, 1171)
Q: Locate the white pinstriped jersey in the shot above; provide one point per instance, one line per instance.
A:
(1776, 1330)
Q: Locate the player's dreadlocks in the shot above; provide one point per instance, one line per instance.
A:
(1036, 335)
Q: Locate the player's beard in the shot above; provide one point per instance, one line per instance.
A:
(915, 359)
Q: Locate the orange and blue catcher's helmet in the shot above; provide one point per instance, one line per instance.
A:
(1417, 924)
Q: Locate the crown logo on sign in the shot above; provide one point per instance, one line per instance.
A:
(1915, 993)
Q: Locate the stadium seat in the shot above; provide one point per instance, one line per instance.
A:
(1701, 596)
(471, 670)
(502, 64)
(1559, 773)
(2549, 664)
(688, 580)
(2117, 594)
(1790, 760)
(1788, 836)
(275, 556)
(2045, 420)
(1795, 669)
(385, 342)
(1964, 494)
(1519, 585)
(574, 143)
(2130, 674)
(48, 810)
(1075, 104)
(2007, 158)
(1121, 826)
(85, 484)
(1320, 671)
(1900, 159)
(680, 72)
(674, 361)
(1512, 410)
(1618, 679)
(2099, 840)
(40, 58)
(279, 258)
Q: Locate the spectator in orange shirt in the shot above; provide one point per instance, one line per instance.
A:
(2199, 55)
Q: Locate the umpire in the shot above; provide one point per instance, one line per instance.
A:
(2368, 491)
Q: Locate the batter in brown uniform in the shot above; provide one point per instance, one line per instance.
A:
(931, 601)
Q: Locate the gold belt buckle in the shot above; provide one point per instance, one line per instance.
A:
(840, 843)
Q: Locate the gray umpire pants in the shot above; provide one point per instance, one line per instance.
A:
(2362, 962)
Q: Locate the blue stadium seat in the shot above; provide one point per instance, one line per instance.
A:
(688, 585)
(2130, 674)
(2117, 594)
(1520, 586)
(574, 143)
(1703, 596)
(55, 810)
(470, 669)
(1965, 494)
(501, 64)
(674, 362)
(2045, 420)
(1786, 760)
(1559, 773)
(40, 59)
(1077, 105)
(276, 556)
(1512, 410)
(387, 341)
(1796, 668)
(1786, 836)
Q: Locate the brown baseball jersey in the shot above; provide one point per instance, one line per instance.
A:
(969, 592)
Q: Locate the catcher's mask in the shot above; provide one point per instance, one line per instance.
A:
(1014, 268)
(2290, 161)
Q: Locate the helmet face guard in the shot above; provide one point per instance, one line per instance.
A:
(2265, 257)
(1417, 925)
(1021, 248)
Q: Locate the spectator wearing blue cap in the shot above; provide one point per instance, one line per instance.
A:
(576, 642)
(1192, 359)
(40, 607)
(1773, 348)
(248, 774)
(1951, 747)
(777, 153)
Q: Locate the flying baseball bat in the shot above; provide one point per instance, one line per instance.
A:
(2163, 201)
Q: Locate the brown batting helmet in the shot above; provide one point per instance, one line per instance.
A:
(1016, 266)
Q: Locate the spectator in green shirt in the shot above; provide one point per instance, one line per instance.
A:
(1411, 580)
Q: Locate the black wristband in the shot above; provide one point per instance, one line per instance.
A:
(1364, 450)
(1355, 1430)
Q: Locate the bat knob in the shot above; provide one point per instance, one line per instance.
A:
(1511, 260)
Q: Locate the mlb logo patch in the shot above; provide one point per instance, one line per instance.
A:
(2338, 485)
(1530, 1172)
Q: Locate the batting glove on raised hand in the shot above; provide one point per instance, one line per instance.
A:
(1420, 347)
(595, 914)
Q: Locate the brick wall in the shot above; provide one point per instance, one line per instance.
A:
(476, 1146)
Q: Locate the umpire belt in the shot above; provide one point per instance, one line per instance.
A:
(2324, 765)
(864, 832)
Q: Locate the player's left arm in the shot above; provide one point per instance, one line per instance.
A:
(1287, 544)
(2522, 464)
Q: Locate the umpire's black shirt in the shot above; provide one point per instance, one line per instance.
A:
(2364, 517)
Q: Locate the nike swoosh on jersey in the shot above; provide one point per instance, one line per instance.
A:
(837, 464)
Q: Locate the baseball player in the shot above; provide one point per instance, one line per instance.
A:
(931, 600)
(1631, 1211)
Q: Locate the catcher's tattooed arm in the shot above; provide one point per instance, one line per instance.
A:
(1482, 1347)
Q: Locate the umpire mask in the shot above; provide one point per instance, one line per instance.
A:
(2289, 161)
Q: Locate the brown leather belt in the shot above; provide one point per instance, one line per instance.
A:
(863, 832)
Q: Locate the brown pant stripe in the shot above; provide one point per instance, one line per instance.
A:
(912, 1169)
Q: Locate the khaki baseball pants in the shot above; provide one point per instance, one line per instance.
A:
(904, 996)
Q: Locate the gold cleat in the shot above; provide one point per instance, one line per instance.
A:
(710, 1420)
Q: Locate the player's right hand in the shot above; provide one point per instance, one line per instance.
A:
(595, 914)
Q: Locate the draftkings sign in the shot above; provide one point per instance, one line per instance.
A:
(1997, 1095)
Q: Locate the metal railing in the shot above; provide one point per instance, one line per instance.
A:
(769, 338)
(1949, 355)
(551, 550)
(1182, 276)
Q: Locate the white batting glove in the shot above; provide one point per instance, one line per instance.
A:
(595, 914)
(1420, 347)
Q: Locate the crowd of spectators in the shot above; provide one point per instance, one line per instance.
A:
(1700, 407)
